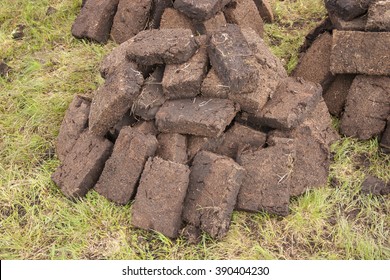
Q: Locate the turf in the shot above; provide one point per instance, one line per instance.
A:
(49, 67)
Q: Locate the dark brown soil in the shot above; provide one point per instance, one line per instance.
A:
(123, 169)
(355, 52)
(83, 165)
(367, 107)
(95, 20)
(172, 18)
(165, 46)
(214, 184)
(159, 201)
(201, 116)
(293, 100)
(130, 18)
(245, 14)
(336, 95)
(200, 10)
(233, 60)
(115, 98)
(347, 9)
(73, 124)
(172, 147)
(375, 186)
(267, 182)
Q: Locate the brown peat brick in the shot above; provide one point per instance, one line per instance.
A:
(270, 70)
(336, 95)
(185, 80)
(172, 19)
(123, 169)
(267, 181)
(367, 107)
(158, 8)
(73, 124)
(130, 18)
(245, 14)
(113, 99)
(82, 166)
(165, 46)
(214, 184)
(265, 10)
(379, 16)
(146, 127)
(375, 186)
(95, 20)
(239, 137)
(233, 60)
(347, 9)
(385, 139)
(292, 101)
(196, 144)
(357, 24)
(172, 147)
(200, 10)
(199, 116)
(159, 201)
(127, 120)
(312, 143)
(314, 65)
(211, 25)
(212, 86)
(152, 97)
(355, 52)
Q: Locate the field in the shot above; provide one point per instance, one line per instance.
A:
(49, 67)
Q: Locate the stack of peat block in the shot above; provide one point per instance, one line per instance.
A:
(349, 55)
(196, 118)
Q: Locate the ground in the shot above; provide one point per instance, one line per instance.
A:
(49, 67)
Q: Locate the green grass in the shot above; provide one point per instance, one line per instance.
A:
(49, 67)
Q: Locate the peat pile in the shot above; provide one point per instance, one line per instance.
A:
(195, 119)
(349, 55)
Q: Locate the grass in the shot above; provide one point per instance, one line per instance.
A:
(49, 67)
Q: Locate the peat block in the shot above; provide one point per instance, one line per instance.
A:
(214, 184)
(185, 80)
(347, 9)
(355, 52)
(379, 16)
(123, 169)
(211, 25)
(213, 87)
(270, 72)
(95, 20)
(200, 143)
(314, 65)
(199, 116)
(83, 165)
(159, 201)
(367, 107)
(336, 95)
(312, 143)
(200, 10)
(165, 46)
(245, 14)
(357, 24)
(172, 147)
(265, 10)
(239, 137)
(267, 181)
(130, 18)
(375, 186)
(114, 98)
(173, 18)
(292, 101)
(146, 127)
(156, 12)
(73, 124)
(233, 60)
(152, 97)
